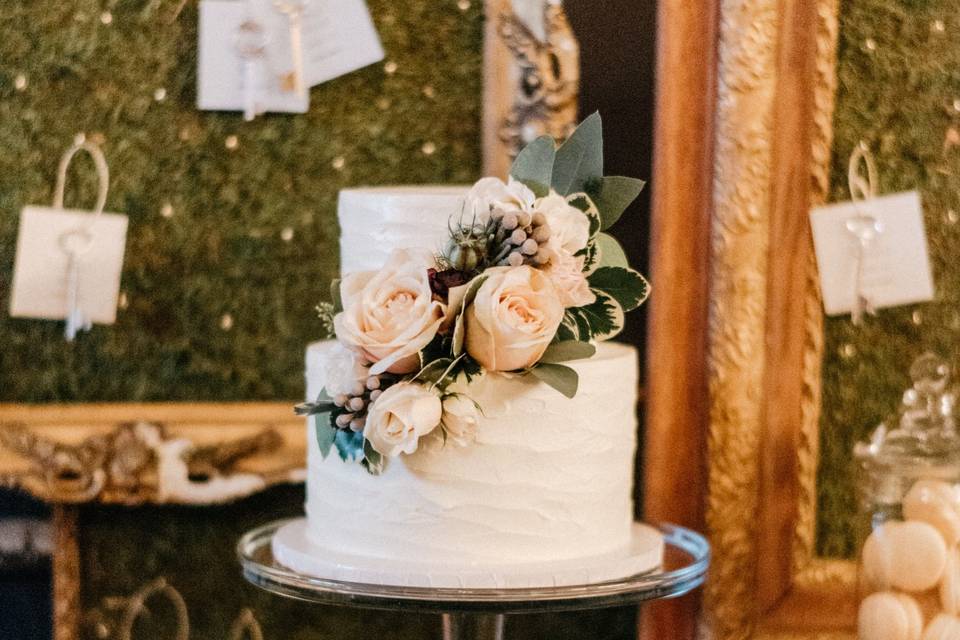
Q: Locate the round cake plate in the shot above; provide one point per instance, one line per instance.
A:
(686, 557)
(295, 549)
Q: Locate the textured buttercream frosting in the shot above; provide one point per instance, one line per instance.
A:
(549, 478)
(376, 220)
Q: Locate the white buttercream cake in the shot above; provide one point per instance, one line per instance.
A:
(548, 480)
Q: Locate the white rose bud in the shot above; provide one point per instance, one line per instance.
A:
(513, 318)
(401, 415)
(390, 315)
(460, 418)
(342, 370)
(569, 227)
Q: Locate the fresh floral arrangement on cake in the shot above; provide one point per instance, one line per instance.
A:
(527, 281)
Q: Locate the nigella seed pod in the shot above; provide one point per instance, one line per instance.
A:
(515, 259)
(542, 233)
(343, 420)
(356, 404)
(375, 394)
(340, 399)
(539, 219)
(509, 221)
(523, 219)
(470, 259)
(357, 424)
(518, 236)
(529, 247)
(373, 382)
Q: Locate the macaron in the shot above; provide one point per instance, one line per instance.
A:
(950, 583)
(905, 555)
(936, 503)
(889, 616)
(943, 627)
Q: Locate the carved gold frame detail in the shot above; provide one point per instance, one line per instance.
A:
(734, 355)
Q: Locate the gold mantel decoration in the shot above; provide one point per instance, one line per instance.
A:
(181, 454)
(531, 80)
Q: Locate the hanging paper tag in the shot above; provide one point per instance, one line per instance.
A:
(40, 274)
(894, 265)
(234, 70)
(335, 37)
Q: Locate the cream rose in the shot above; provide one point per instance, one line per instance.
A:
(460, 417)
(566, 273)
(390, 315)
(343, 371)
(512, 319)
(493, 193)
(403, 414)
(569, 227)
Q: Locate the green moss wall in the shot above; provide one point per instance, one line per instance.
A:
(251, 242)
(899, 78)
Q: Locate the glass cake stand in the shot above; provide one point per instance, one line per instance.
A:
(480, 611)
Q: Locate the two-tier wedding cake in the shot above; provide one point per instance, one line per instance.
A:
(468, 425)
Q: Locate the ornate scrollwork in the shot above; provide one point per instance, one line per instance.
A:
(137, 462)
(546, 100)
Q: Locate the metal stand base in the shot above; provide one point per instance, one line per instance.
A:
(478, 626)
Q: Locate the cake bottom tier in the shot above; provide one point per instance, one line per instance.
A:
(549, 479)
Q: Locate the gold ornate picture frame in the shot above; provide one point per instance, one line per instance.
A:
(735, 347)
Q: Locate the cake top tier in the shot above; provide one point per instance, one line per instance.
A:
(376, 220)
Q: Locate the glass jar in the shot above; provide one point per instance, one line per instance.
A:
(909, 522)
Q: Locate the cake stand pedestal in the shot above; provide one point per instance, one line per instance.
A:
(479, 613)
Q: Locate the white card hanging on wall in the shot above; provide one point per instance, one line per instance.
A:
(68, 262)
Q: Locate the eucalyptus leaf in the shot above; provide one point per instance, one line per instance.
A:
(373, 462)
(539, 189)
(349, 444)
(566, 351)
(534, 163)
(335, 295)
(325, 434)
(624, 285)
(613, 194)
(611, 252)
(579, 160)
(560, 377)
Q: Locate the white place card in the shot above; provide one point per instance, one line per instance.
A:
(40, 266)
(222, 75)
(896, 265)
(338, 37)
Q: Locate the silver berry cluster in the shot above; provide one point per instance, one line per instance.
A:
(354, 405)
(521, 238)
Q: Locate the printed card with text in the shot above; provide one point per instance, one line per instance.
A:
(889, 266)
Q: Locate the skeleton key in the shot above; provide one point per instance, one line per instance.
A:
(251, 43)
(293, 9)
(865, 229)
(77, 320)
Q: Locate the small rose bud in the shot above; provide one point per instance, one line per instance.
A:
(529, 247)
(509, 221)
(356, 404)
(340, 399)
(343, 420)
(542, 233)
(357, 389)
(523, 219)
(539, 219)
(357, 424)
(518, 236)
(373, 382)
(515, 259)
(375, 394)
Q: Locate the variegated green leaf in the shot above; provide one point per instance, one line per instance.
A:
(624, 285)
(610, 252)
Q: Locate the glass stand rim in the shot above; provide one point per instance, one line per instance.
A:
(686, 560)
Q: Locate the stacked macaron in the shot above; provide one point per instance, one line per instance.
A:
(911, 568)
